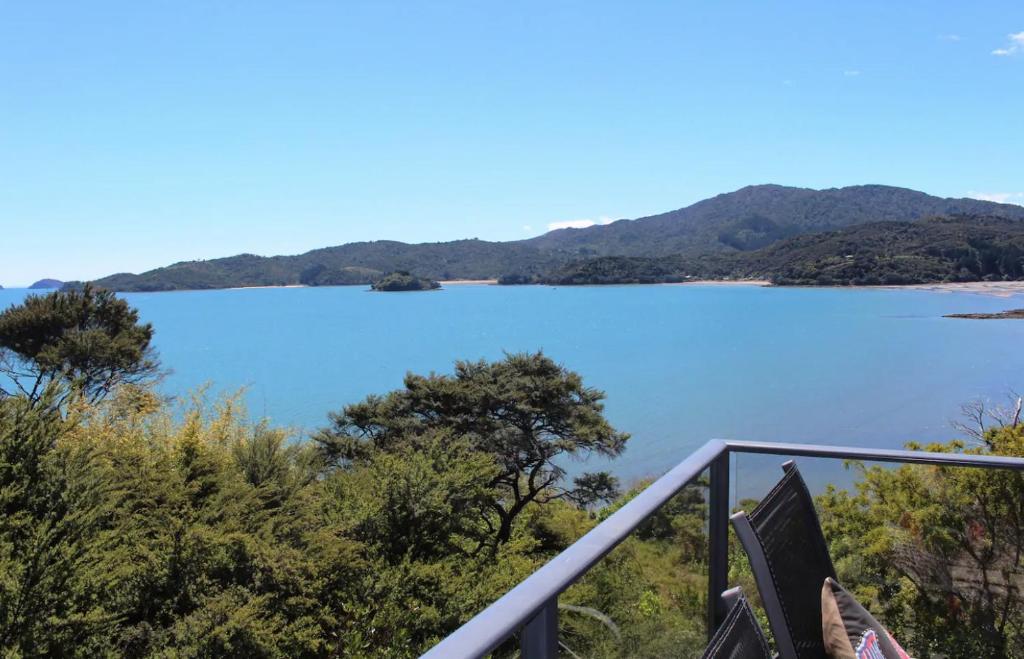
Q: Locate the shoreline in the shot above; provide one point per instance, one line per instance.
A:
(989, 288)
(450, 282)
(246, 288)
(1002, 289)
(1009, 314)
(719, 282)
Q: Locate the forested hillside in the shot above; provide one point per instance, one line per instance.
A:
(963, 248)
(942, 249)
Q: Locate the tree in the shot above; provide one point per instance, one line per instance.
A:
(88, 339)
(526, 412)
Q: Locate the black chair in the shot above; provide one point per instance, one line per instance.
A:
(739, 637)
(788, 555)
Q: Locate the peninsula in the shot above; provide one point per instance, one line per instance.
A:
(999, 315)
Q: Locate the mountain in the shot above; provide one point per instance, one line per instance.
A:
(959, 248)
(759, 215)
(46, 283)
(746, 220)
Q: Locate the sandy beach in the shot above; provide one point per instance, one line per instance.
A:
(242, 288)
(993, 288)
(468, 282)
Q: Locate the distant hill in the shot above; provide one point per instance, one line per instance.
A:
(959, 248)
(46, 283)
(353, 263)
(706, 232)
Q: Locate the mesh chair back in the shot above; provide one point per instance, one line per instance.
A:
(739, 637)
(789, 557)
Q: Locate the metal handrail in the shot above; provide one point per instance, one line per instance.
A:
(531, 607)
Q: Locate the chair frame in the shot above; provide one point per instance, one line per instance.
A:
(736, 605)
(763, 575)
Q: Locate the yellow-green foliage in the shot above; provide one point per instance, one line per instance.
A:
(136, 527)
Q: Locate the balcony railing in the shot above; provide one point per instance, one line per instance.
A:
(531, 608)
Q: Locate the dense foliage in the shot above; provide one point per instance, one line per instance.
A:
(403, 281)
(742, 221)
(938, 551)
(615, 270)
(628, 270)
(321, 275)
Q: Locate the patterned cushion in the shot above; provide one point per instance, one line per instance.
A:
(851, 632)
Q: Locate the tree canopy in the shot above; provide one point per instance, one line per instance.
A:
(88, 339)
(526, 412)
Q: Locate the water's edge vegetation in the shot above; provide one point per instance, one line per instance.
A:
(135, 525)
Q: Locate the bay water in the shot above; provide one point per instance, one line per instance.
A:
(680, 364)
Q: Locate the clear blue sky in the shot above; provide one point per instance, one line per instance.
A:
(135, 134)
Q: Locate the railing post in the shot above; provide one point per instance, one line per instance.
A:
(718, 539)
(539, 637)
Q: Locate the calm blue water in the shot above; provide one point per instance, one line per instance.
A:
(680, 364)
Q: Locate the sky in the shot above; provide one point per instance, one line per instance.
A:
(137, 134)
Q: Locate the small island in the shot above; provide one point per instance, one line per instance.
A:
(46, 284)
(1011, 313)
(403, 281)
